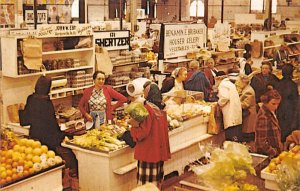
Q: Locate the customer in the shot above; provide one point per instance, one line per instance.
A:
(152, 139)
(196, 80)
(247, 98)
(261, 81)
(176, 81)
(230, 105)
(287, 110)
(267, 131)
(40, 115)
(210, 71)
(98, 98)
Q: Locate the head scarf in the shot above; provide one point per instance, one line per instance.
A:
(42, 86)
(154, 95)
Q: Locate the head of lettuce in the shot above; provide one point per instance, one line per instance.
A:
(137, 111)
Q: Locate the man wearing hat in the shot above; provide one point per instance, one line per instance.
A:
(230, 105)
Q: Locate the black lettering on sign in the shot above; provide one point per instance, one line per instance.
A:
(112, 34)
(108, 42)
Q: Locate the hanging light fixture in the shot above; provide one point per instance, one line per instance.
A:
(288, 2)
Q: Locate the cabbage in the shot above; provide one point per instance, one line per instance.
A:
(137, 111)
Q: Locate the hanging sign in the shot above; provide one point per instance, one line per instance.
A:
(182, 38)
(64, 30)
(113, 40)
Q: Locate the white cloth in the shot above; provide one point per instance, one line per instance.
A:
(230, 104)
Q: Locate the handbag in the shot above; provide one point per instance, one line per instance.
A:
(32, 53)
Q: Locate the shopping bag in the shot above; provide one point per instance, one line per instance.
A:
(103, 62)
(32, 53)
(13, 112)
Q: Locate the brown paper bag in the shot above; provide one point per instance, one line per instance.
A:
(103, 62)
(13, 112)
(32, 53)
(213, 126)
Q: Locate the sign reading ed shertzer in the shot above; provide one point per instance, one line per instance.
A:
(182, 38)
(113, 40)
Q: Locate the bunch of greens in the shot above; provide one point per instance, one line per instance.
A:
(137, 111)
(229, 168)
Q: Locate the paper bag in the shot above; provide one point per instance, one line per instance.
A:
(13, 113)
(103, 62)
(32, 53)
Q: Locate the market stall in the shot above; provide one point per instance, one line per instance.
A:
(116, 170)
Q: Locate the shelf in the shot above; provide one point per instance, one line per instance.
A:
(119, 86)
(275, 46)
(61, 93)
(68, 51)
(129, 63)
(267, 60)
(294, 54)
(55, 71)
(178, 60)
(292, 43)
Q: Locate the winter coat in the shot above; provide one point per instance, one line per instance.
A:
(247, 98)
(287, 110)
(198, 82)
(230, 104)
(151, 137)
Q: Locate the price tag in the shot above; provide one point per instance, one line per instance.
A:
(20, 169)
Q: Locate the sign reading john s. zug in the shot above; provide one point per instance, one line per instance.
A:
(113, 40)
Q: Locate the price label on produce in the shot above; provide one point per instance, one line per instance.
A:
(43, 158)
(20, 169)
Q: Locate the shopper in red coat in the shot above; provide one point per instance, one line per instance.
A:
(152, 139)
(99, 98)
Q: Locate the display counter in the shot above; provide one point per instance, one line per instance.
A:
(117, 170)
(50, 180)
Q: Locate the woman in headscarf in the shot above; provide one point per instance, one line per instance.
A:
(40, 115)
(152, 140)
(176, 81)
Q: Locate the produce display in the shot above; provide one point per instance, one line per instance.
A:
(228, 169)
(23, 157)
(187, 110)
(104, 139)
(285, 167)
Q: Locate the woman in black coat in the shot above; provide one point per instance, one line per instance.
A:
(287, 110)
(40, 115)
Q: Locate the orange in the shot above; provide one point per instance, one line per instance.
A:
(2, 181)
(31, 171)
(36, 144)
(14, 176)
(8, 166)
(29, 157)
(25, 173)
(44, 149)
(9, 153)
(37, 151)
(21, 162)
(14, 170)
(36, 159)
(16, 147)
(8, 161)
(15, 164)
(3, 175)
(8, 179)
(28, 150)
(9, 172)
(51, 154)
(30, 143)
(22, 149)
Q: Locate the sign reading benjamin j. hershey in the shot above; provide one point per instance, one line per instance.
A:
(182, 38)
(112, 40)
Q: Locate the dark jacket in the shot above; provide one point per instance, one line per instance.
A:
(40, 115)
(287, 115)
(198, 82)
(260, 85)
(167, 84)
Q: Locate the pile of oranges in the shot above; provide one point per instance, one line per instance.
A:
(25, 158)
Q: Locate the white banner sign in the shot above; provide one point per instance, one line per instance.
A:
(112, 40)
(182, 38)
(64, 30)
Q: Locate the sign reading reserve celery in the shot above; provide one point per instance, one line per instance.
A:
(182, 38)
(112, 40)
